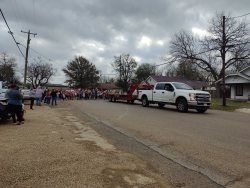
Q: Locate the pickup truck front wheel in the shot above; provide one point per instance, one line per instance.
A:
(145, 102)
(181, 105)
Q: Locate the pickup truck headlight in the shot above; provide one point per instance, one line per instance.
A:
(192, 96)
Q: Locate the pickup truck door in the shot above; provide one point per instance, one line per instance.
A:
(158, 92)
(168, 96)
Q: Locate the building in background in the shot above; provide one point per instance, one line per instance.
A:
(106, 86)
(239, 84)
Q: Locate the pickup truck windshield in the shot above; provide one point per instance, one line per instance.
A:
(182, 86)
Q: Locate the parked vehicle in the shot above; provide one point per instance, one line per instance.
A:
(2, 92)
(26, 93)
(174, 93)
(4, 110)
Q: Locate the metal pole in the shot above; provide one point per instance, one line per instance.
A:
(223, 59)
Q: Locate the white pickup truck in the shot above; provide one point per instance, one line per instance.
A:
(175, 93)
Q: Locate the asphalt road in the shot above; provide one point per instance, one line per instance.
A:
(215, 144)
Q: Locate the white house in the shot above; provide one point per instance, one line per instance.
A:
(239, 83)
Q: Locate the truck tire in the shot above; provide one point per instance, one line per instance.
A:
(145, 102)
(201, 111)
(110, 99)
(128, 101)
(161, 105)
(132, 101)
(113, 99)
(181, 105)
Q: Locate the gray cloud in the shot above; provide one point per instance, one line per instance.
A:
(99, 30)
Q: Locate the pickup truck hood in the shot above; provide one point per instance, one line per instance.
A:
(193, 91)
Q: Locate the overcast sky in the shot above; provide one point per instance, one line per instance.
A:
(100, 29)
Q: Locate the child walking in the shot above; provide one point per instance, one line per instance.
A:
(23, 110)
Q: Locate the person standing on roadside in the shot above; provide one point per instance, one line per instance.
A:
(44, 95)
(80, 94)
(32, 96)
(249, 101)
(48, 97)
(39, 94)
(15, 104)
(103, 95)
(53, 95)
(96, 93)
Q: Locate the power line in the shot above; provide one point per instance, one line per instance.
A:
(42, 55)
(10, 32)
(241, 16)
(18, 11)
(15, 14)
(25, 15)
(34, 15)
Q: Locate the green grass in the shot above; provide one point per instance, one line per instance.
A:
(230, 105)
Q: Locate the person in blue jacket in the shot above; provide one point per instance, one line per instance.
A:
(15, 104)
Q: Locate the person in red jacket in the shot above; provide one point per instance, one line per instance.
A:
(67, 95)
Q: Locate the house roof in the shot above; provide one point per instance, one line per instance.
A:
(191, 83)
(245, 69)
(236, 74)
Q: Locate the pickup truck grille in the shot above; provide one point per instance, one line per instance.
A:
(202, 97)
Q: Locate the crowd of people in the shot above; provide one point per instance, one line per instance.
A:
(46, 96)
(55, 94)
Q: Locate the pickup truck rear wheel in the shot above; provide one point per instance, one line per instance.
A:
(161, 105)
(201, 111)
(181, 105)
(145, 102)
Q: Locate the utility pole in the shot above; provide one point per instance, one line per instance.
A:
(27, 52)
(101, 79)
(120, 67)
(223, 62)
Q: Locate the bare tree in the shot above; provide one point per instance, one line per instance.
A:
(81, 73)
(40, 72)
(188, 70)
(107, 79)
(206, 52)
(8, 72)
(124, 66)
(144, 70)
